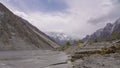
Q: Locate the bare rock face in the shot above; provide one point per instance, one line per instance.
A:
(108, 33)
(18, 34)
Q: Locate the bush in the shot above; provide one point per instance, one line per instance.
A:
(108, 50)
(81, 41)
(68, 43)
(115, 35)
(76, 42)
(90, 42)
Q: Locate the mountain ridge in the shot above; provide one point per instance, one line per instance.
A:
(108, 33)
(18, 34)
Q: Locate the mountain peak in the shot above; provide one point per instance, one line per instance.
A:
(109, 32)
(118, 21)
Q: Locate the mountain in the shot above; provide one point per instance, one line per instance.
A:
(18, 34)
(108, 33)
(60, 38)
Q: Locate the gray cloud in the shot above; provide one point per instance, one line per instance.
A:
(73, 21)
(112, 15)
(115, 2)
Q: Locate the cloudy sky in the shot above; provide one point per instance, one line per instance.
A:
(77, 18)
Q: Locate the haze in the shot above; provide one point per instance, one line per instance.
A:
(77, 18)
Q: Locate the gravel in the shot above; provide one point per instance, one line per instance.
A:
(99, 61)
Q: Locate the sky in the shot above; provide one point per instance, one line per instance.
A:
(76, 18)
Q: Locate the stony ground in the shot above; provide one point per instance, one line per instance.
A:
(34, 59)
(99, 61)
(87, 56)
(87, 47)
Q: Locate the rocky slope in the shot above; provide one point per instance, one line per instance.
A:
(108, 33)
(18, 34)
(99, 61)
(95, 55)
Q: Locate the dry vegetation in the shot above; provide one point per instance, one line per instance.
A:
(113, 49)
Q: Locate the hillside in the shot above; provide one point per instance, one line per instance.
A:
(18, 34)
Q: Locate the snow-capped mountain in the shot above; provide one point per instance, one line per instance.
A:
(60, 38)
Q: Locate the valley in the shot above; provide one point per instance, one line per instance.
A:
(24, 45)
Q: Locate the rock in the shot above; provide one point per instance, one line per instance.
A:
(99, 61)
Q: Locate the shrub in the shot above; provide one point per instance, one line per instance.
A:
(108, 50)
(90, 42)
(81, 41)
(76, 42)
(68, 43)
(115, 35)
